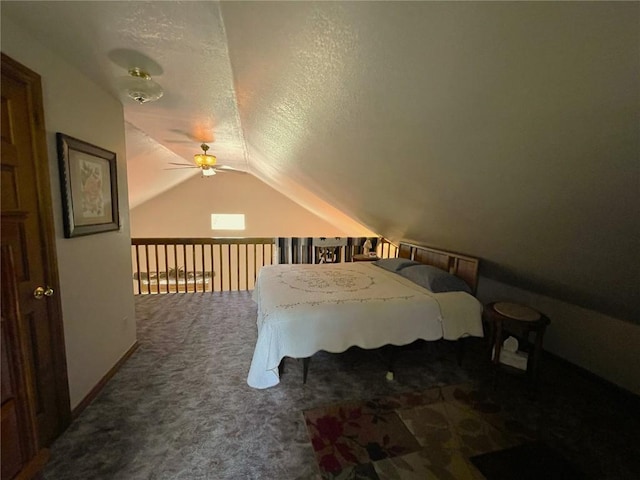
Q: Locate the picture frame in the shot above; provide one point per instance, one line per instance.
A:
(89, 187)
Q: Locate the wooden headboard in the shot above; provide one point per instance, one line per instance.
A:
(461, 266)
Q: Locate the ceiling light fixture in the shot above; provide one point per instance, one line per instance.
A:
(140, 87)
(205, 161)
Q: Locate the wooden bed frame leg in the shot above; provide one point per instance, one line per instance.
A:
(390, 352)
(305, 369)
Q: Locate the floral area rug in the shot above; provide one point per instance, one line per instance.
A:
(429, 434)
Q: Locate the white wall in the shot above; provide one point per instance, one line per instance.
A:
(185, 211)
(604, 345)
(95, 271)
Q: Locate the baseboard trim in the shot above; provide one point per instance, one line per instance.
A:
(35, 466)
(84, 403)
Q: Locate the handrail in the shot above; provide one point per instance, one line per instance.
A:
(201, 241)
(181, 265)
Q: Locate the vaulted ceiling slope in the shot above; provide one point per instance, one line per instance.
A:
(506, 130)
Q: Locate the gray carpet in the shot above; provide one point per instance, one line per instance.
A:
(180, 407)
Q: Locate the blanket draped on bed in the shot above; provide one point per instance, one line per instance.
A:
(306, 308)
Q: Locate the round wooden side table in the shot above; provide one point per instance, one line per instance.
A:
(501, 316)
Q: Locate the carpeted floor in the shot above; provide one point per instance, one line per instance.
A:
(180, 407)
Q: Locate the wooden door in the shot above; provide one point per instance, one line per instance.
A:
(21, 455)
(27, 227)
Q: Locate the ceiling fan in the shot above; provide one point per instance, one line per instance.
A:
(206, 162)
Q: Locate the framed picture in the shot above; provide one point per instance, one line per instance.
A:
(89, 186)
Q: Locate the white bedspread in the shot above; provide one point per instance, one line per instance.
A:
(306, 308)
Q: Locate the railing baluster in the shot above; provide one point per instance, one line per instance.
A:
(213, 275)
(229, 266)
(157, 270)
(204, 273)
(195, 280)
(175, 264)
(146, 263)
(221, 267)
(238, 266)
(138, 268)
(255, 262)
(184, 257)
(166, 266)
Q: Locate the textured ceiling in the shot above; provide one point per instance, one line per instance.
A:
(182, 45)
(505, 130)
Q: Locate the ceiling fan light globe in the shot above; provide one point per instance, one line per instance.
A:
(142, 97)
(208, 172)
(140, 87)
(203, 159)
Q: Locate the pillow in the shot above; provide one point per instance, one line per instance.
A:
(434, 279)
(395, 264)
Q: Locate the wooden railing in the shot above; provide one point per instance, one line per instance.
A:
(175, 265)
(329, 249)
(386, 249)
(181, 265)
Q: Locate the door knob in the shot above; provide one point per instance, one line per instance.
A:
(41, 292)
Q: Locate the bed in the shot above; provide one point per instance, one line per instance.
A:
(303, 308)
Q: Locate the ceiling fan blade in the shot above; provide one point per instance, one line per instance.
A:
(183, 164)
(178, 168)
(226, 168)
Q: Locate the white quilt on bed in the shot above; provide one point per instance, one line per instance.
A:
(306, 308)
